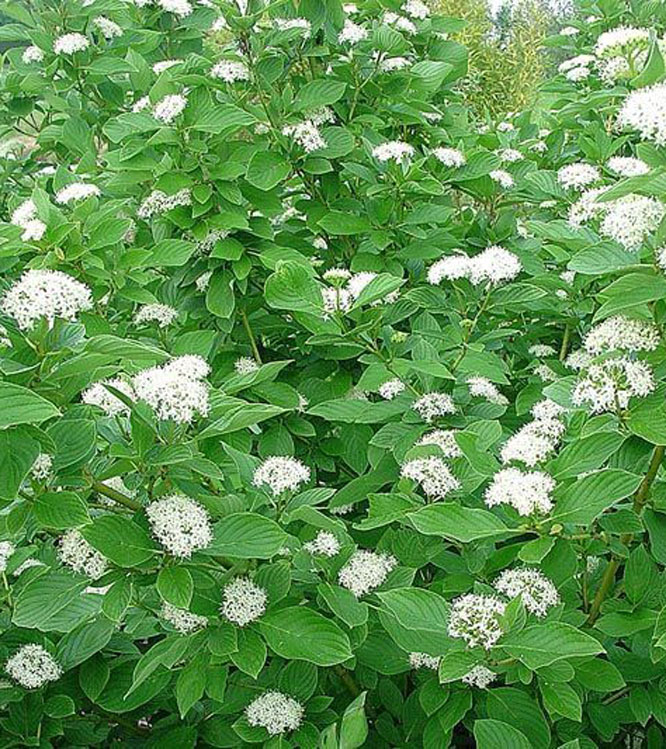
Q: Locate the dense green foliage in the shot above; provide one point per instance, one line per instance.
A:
(315, 251)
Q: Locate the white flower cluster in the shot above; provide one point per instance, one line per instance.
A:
(352, 33)
(578, 360)
(245, 365)
(627, 166)
(586, 207)
(76, 191)
(162, 65)
(644, 110)
(25, 216)
(276, 712)
(162, 314)
(159, 202)
(609, 385)
(416, 9)
(578, 175)
(400, 22)
(391, 388)
(621, 40)
(243, 601)
(479, 677)
(98, 395)
(475, 619)
(6, 550)
(537, 439)
(537, 592)
(42, 467)
(341, 298)
(503, 178)
(68, 44)
(629, 220)
(577, 68)
(423, 660)
(482, 387)
(451, 157)
(541, 350)
(181, 619)
(108, 28)
(432, 474)
(306, 134)
(510, 155)
(324, 543)
(175, 390)
(169, 107)
(621, 333)
(494, 265)
(389, 64)
(445, 439)
(46, 294)
(432, 405)
(32, 666)
(230, 71)
(365, 571)
(180, 8)
(527, 492)
(32, 54)
(280, 473)
(180, 524)
(77, 553)
(287, 24)
(393, 150)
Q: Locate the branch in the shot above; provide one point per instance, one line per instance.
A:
(121, 499)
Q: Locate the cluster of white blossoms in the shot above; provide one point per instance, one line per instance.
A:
(98, 395)
(610, 384)
(528, 492)
(162, 65)
(341, 298)
(276, 712)
(48, 294)
(399, 22)
(510, 155)
(42, 467)
(482, 387)
(245, 365)
(627, 166)
(494, 265)
(503, 178)
(644, 110)
(432, 474)
(108, 28)
(323, 544)
(365, 571)
(578, 175)
(287, 24)
(352, 33)
(479, 677)
(230, 71)
(586, 207)
(536, 591)
(537, 439)
(541, 350)
(182, 619)
(76, 191)
(546, 410)
(159, 202)
(68, 44)
(390, 64)
(243, 601)
(475, 619)
(621, 333)
(77, 553)
(423, 660)
(577, 68)
(6, 550)
(32, 666)
(162, 314)
(169, 107)
(445, 439)
(630, 219)
(281, 473)
(578, 360)
(32, 54)
(393, 150)
(180, 8)
(180, 524)
(416, 9)
(25, 217)
(620, 40)
(175, 390)
(433, 405)
(451, 157)
(391, 388)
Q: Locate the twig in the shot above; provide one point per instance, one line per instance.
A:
(250, 335)
(116, 496)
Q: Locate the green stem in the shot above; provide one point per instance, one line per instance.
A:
(348, 680)
(250, 335)
(122, 499)
(564, 350)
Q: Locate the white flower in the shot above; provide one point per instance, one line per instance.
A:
(578, 74)
(423, 660)
(175, 390)
(76, 191)
(432, 474)
(390, 64)
(645, 110)
(391, 388)
(621, 333)
(580, 61)
(365, 571)
(276, 712)
(450, 268)
(578, 175)
(245, 365)
(400, 22)
(77, 553)
(510, 155)
(48, 294)
(545, 373)
(482, 387)
(180, 8)
(181, 619)
(451, 157)
(26, 211)
(336, 300)
(68, 44)
(203, 281)
(416, 9)
(169, 107)
(7, 548)
(180, 524)
(533, 443)
(305, 134)
(393, 150)
(286, 24)
(324, 543)
(140, 105)
(320, 243)
(162, 314)
(230, 71)
(100, 396)
(107, 27)
(621, 40)
(506, 127)
(610, 384)
(280, 473)
(494, 264)
(627, 166)
(502, 177)
(32, 666)
(337, 276)
(352, 33)
(42, 467)
(479, 677)
(536, 591)
(630, 219)
(32, 54)
(444, 439)
(33, 230)
(586, 207)
(159, 202)
(526, 491)
(546, 410)
(243, 601)
(475, 619)
(541, 350)
(432, 405)
(569, 31)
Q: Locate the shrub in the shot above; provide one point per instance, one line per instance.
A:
(330, 417)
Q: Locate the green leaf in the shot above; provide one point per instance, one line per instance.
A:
(520, 710)
(74, 440)
(341, 224)
(266, 170)
(18, 451)
(631, 290)
(543, 644)
(45, 598)
(562, 699)
(220, 299)
(82, 643)
(292, 287)
(654, 69)
(246, 535)
(354, 724)
(191, 683)
(589, 497)
(171, 252)
(119, 539)
(176, 586)
(318, 93)
(60, 510)
(494, 734)
(450, 520)
(417, 609)
(22, 406)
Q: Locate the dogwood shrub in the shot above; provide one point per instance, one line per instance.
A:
(330, 415)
